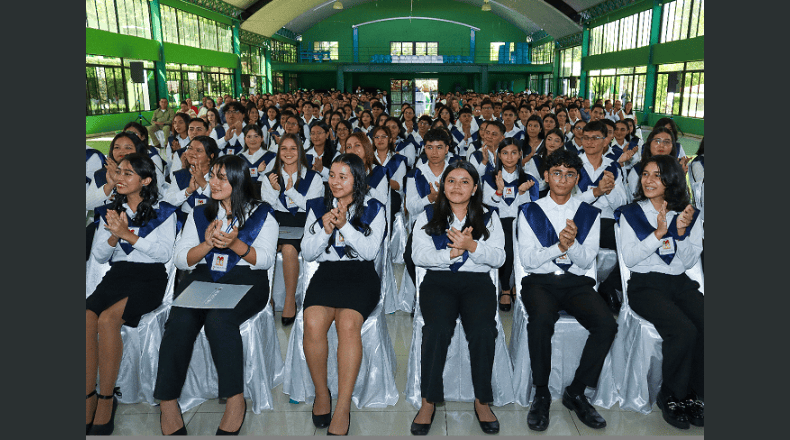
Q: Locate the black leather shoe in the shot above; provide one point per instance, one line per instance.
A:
(538, 415)
(674, 412)
(506, 307)
(422, 428)
(180, 431)
(236, 432)
(89, 425)
(488, 427)
(609, 295)
(587, 414)
(695, 410)
(109, 427)
(288, 321)
(323, 420)
(348, 428)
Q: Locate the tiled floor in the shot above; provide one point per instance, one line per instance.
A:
(452, 418)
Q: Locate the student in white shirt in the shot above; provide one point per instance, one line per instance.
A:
(376, 176)
(177, 142)
(662, 238)
(189, 186)
(319, 149)
(458, 241)
(230, 240)
(230, 139)
(660, 141)
(271, 124)
(344, 234)
(289, 188)
(401, 146)
(103, 180)
(259, 160)
(394, 164)
(551, 143)
(136, 235)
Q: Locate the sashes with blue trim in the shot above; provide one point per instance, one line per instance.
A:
(301, 188)
(614, 152)
(100, 177)
(267, 157)
(585, 181)
(394, 163)
(266, 126)
(376, 174)
(163, 212)
(642, 228)
(92, 152)
(421, 183)
(546, 234)
(369, 213)
(458, 135)
(183, 176)
(511, 187)
(220, 130)
(233, 148)
(442, 240)
(478, 155)
(247, 234)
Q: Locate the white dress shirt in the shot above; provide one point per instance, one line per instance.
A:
(490, 198)
(155, 247)
(272, 196)
(607, 203)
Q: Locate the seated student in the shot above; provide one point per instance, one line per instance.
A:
(394, 165)
(575, 143)
(189, 186)
(271, 124)
(661, 238)
(465, 131)
(153, 153)
(288, 188)
(551, 143)
(344, 234)
(375, 175)
(229, 136)
(177, 142)
(320, 150)
(365, 122)
(506, 188)
(601, 185)
(103, 181)
(136, 234)
(557, 263)
(252, 116)
(423, 125)
(670, 124)
(94, 161)
(630, 149)
(611, 151)
(509, 121)
(660, 141)
(230, 240)
(484, 160)
(563, 124)
(258, 159)
(401, 146)
(458, 242)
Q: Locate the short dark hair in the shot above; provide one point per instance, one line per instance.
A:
(437, 134)
(201, 120)
(563, 157)
(598, 126)
(499, 125)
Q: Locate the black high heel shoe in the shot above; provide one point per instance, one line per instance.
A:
(236, 432)
(288, 321)
(180, 431)
(109, 427)
(89, 425)
(348, 428)
(323, 420)
(488, 427)
(506, 307)
(422, 428)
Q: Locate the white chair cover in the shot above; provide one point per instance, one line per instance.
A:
(278, 285)
(383, 262)
(375, 384)
(566, 350)
(161, 136)
(457, 373)
(263, 368)
(136, 375)
(400, 235)
(636, 351)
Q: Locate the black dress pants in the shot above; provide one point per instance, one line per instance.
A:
(506, 270)
(674, 305)
(222, 331)
(544, 295)
(444, 296)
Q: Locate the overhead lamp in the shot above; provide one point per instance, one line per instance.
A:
(337, 5)
(486, 6)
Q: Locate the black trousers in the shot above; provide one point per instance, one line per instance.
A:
(222, 331)
(674, 305)
(544, 295)
(407, 261)
(607, 241)
(506, 270)
(443, 297)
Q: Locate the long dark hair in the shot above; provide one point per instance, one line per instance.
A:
(323, 126)
(506, 142)
(277, 113)
(244, 198)
(139, 146)
(543, 152)
(209, 145)
(300, 164)
(646, 154)
(474, 211)
(674, 179)
(537, 118)
(360, 190)
(257, 129)
(144, 167)
(139, 127)
(299, 123)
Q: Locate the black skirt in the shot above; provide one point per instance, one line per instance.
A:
(143, 283)
(345, 285)
(287, 219)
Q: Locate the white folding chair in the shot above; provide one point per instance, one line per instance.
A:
(636, 351)
(375, 384)
(457, 373)
(136, 378)
(567, 344)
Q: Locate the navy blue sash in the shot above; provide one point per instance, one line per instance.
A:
(234, 148)
(478, 155)
(220, 130)
(247, 234)
(87, 179)
(585, 181)
(267, 157)
(163, 212)
(677, 149)
(369, 213)
(546, 234)
(265, 125)
(421, 183)
(100, 177)
(442, 240)
(642, 228)
(614, 152)
(302, 188)
(375, 175)
(701, 160)
(92, 152)
(394, 163)
(522, 177)
(183, 176)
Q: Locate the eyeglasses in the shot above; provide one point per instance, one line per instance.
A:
(291, 124)
(662, 141)
(383, 136)
(557, 175)
(592, 138)
(232, 112)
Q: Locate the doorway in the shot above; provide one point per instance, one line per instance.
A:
(426, 91)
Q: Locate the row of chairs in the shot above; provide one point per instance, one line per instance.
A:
(631, 373)
(429, 59)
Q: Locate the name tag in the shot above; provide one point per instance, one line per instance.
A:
(562, 259)
(220, 263)
(134, 230)
(199, 202)
(667, 246)
(510, 192)
(291, 204)
(254, 172)
(340, 240)
(230, 151)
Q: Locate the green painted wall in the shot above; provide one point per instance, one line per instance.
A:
(625, 58)
(692, 49)
(176, 53)
(111, 123)
(109, 44)
(375, 38)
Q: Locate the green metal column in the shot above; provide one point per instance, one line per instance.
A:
(159, 65)
(268, 60)
(585, 52)
(556, 69)
(237, 50)
(340, 81)
(652, 69)
(484, 86)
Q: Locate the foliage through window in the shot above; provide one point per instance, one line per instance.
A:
(626, 33)
(543, 54)
(494, 53)
(419, 48)
(682, 19)
(128, 17)
(327, 46)
(109, 87)
(624, 84)
(185, 28)
(680, 89)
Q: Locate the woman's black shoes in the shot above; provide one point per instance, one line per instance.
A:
(109, 427)
(323, 420)
(89, 425)
(673, 411)
(422, 428)
(288, 321)
(348, 428)
(236, 432)
(488, 427)
(506, 307)
(180, 431)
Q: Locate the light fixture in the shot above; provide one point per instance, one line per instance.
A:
(486, 6)
(337, 5)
